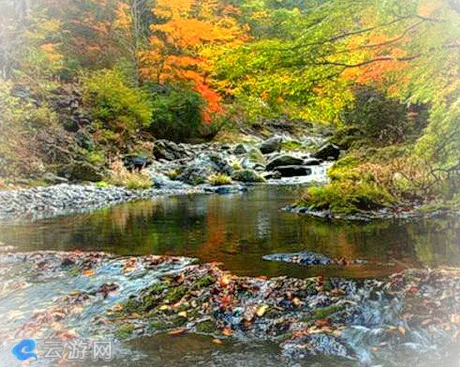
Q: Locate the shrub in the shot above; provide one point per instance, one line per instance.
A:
(176, 115)
(120, 176)
(117, 106)
(219, 179)
(375, 118)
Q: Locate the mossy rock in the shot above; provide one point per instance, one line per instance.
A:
(207, 326)
(125, 331)
(323, 313)
(176, 293)
(247, 176)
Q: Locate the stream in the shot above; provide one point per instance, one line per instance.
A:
(236, 230)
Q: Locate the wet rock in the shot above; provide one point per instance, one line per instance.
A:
(164, 182)
(328, 152)
(292, 170)
(247, 176)
(271, 145)
(312, 162)
(240, 149)
(305, 258)
(284, 160)
(272, 175)
(316, 344)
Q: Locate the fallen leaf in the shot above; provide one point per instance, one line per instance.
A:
(88, 273)
(217, 341)
(261, 310)
(164, 307)
(176, 332)
(182, 314)
(402, 330)
(227, 331)
(296, 301)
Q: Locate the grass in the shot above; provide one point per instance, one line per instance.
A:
(347, 197)
(121, 177)
(219, 179)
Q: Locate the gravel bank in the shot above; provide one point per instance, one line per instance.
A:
(62, 199)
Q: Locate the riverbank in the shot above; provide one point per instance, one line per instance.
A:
(66, 199)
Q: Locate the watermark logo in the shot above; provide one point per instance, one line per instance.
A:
(24, 350)
(69, 350)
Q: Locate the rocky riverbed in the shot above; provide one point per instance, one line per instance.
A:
(409, 317)
(180, 169)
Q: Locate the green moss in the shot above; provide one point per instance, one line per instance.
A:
(125, 331)
(176, 293)
(158, 325)
(348, 197)
(207, 326)
(205, 281)
(291, 145)
(323, 313)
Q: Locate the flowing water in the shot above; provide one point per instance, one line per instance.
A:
(237, 230)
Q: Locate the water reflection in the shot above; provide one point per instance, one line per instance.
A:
(238, 229)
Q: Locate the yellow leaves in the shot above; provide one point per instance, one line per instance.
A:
(224, 280)
(122, 16)
(176, 332)
(182, 314)
(164, 307)
(227, 331)
(262, 310)
(401, 330)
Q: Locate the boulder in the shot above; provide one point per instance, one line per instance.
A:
(195, 174)
(272, 175)
(253, 159)
(328, 152)
(312, 162)
(164, 182)
(203, 166)
(83, 171)
(170, 151)
(293, 170)
(247, 176)
(240, 149)
(284, 160)
(271, 145)
(136, 162)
